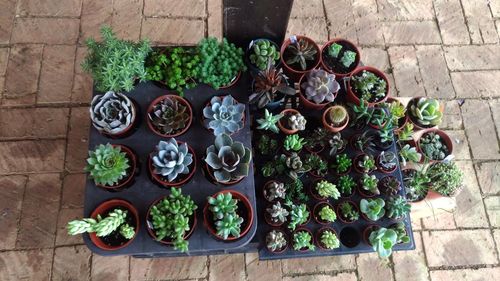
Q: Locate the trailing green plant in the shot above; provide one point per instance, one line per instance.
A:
(171, 159)
(293, 143)
(387, 160)
(366, 164)
(296, 121)
(298, 215)
(446, 178)
(416, 184)
(329, 240)
(169, 116)
(426, 111)
(102, 226)
(409, 153)
(341, 163)
(301, 240)
(115, 64)
(318, 165)
(397, 207)
(401, 233)
(263, 51)
(294, 166)
(270, 85)
(224, 115)
(176, 67)
(369, 86)
(382, 241)
(112, 113)
(170, 218)
(433, 146)
(229, 160)
(269, 122)
(327, 214)
(336, 143)
(369, 183)
(266, 145)
(107, 165)
(277, 213)
(227, 221)
(320, 86)
(300, 52)
(372, 208)
(337, 115)
(295, 191)
(275, 240)
(405, 134)
(275, 190)
(219, 63)
(346, 183)
(349, 212)
(364, 142)
(327, 189)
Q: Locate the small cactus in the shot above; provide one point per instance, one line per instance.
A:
(337, 115)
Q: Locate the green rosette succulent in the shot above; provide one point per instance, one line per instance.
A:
(427, 112)
(107, 164)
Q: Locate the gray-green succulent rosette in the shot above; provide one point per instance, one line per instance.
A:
(171, 159)
(224, 115)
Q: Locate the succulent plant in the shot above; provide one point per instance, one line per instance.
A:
(269, 84)
(263, 51)
(318, 166)
(433, 146)
(387, 160)
(406, 134)
(275, 190)
(362, 112)
(169, 116)
(224, 115)
(382, 241)
(295, 166)
(293, 142)
(341, 163)
(269, 122)
(346, 184)
(369, 183)
(390, 185)
(397, 207)
(226, 220)
(348, 58)
(334, 50)
(348, 212)
(336, 143)
(267, 145)
(400, 230)
(317, 139)
(320, 86)
(369, 86)
(416, 183)
(277, 213)
(379, 116)
(127, 231)
(327, 189)
(408, 153)
(337, 115)
(327, 214)
(372, 208)
(300, 52)
(81, 226)
(301, 240)
(397, 111)
(364, 142)
(171, 159)
(329, 240)
(102, 226)
(107, 165)
(229, 160)
(427, 112)
(386, 133)
(296, 121)
(229, 225)
(275, 240)
(112, 112)
(446, 178)
(366, 163)
(298, 215)
(295, 191)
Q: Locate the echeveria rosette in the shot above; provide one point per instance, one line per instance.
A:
(107, 165)
(112, 112)
(229, 160)
(320, 86)
(171, 159)
(382, 241)
(224, 115)
(373, 208)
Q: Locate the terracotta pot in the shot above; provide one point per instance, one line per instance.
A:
(326, 67)
(248, 217)
(128, 130)
(295, 74)
(202, 119)
(180, 100)
(307, 103)
(283, 127)
(233, 82)
(381, 169)
(330, 127)
(317, 209)
(102, 209)
(123, 183)
(367, 231)
(413, 120)
(180, 181)
(279, 251)
(318, 234)
(444, 137)
(364, 193)
(300, 229)
(339, 213)
(353, 98)
(166, 241)
(211, 176)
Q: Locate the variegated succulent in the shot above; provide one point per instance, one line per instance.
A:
(224, 115)
(112, 112)
(169, 116)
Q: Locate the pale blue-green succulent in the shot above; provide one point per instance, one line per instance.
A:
(171, 159)
(224, 115)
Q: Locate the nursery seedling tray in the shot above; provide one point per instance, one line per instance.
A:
(313, 120)
(143, 192)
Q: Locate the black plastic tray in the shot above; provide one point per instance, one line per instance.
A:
(144, 192)
(314, 119)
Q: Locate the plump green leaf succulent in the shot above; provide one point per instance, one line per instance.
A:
(427, 112)
(81, 226)
(369, 183)
(229, 160)
(406, 133)
(369, 86)
(446, 178)
(366, 163)
(341, 163)
(298, 215)
(169, 116)
(296, 121)
(224, 115)
(348, 211)
(327, 214)
(300, 52)
(320, 86)
(112, 112)
(301, 240)
(330, 240)
(334, 50)
(277, 213)
(327, 189)
(275, 240)
(400, 230)
(372, 208)
(293, 142)
(227, 221)
(269, 122)
(382, 241)
(127, 231)
(107, 164)
(114, 221)
(229, 225)
(105, 226)
(171, 159)
(409, 154)
(263, 51)
(348, 58)
(397, 207)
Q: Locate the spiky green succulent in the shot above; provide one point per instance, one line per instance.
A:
(107, 164)
(446, 178)
(301, 240)
(427, 112)
(369, 183)
(298, 215)
(300, 52)
(263, 51)
(341, 163)
(346, 184)
(337, 115)
(348, 211)
(171, 159)
(269, 122)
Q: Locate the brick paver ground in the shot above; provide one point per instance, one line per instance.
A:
(443, 48)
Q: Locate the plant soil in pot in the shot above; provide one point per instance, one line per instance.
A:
(273, 191)
(299, 54)
(113, 114)
(276, 241)
(327, 239)
(335, 118)
(424, 112)
(340, 57)
(228, 215)
(112, 167)
(317, 88)
(276, 214)
(270, 88)
(303, 240)
(169, 116)
(292, 121)
(112, 225)
(324, 213)
(347, 211)
(172, 164)
(369, 84)
(224, 115)
(390, 185)
(260, 53)
(172, 219)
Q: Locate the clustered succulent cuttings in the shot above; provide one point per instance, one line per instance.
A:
(302, 240)
(274, 190)
(327, 189)
(327, 214)
(107, 164)
(224, 115)
(277, 213)
(170, 160)
(171, 218)
(369, 183)
(318, 166)
(263, 51)
(341, 163)
(336, 143)
(269, 122)
(112, 113)
(349, 212)
(115, 64)
(387, 160)
(267, 145)
(365, 163)
(226, 220)
(228, 160)
(382, 241)
(320, 86)
(347, 58)
(397, 207)
(298, 215)
(300, 52)
(445, 178)
(115, 220)
(372, 208)
(409, 153)
(169, 116)
(346, 183)
(275, 240)
(427, 112)
(293, 143)
(369, 86)
(433, 146)
(270, 86)
(329, 240)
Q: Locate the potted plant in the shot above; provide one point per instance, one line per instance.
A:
(445, 178)
(382, 240)
(299, 215)
(369, 84)
(175, 68)
(397, 112)
(172, 163)
(326, 238)
(172, 219)
(224, 115)
(276, 241)
(424, 112)
(341, 164)
(112, 225)
(295, 191)
(336, 143)
(379, 117)
(348, 212)
(364, 163)
(324, 213)
(292, 121)
(112, 167)
(299, 54)
(274, 190)
(319, 167)
(363, 142)
(335, 118)
(372, 209)
(293, 143)
(268, 123)
(227, 162)
(115, 64)
(266, 145)
(316, 140)
(169, 116)
(362, 114)
(384, 138)
(260, 52)
(322, 189)
(113, 114)
(294, 167)
(228, 215)
(303, 240)
(387, 162)
(390, 185)
(368, 185)
(276, 214)
(397, 207)
(340, 56)
(317, 88)
(409, 153)
(270, 88)
(416, 184)
(435, 145)
(401, 232)
(405, 135)
(346, 186)
(220, 63)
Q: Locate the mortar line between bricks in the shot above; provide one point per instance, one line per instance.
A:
(129, 267)
(18, 223)
(39, 75)
(466, 21)
(459, 267)
(245, 265)
(331, 273)
(426, 260)
(171, 17)
(494, 125)
(208, 267)
(15, 139)
(327, 20)
(206, 18)
(140, 33)
(392, 268)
